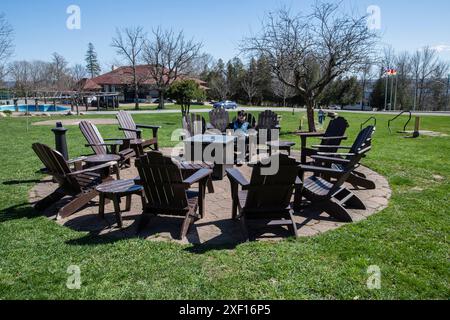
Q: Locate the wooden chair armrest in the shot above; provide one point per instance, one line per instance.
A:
(144, 126)
(336, 154)
(130, 130)
(310, 134)
(330, 159)
(197, 177)
(318, 146)
(236, 176)
(118, 139)
(316, 169)
(93, 169)
(79, 159)
(106, 144)
(334, 138)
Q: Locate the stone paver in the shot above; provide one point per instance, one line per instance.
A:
(216, 228)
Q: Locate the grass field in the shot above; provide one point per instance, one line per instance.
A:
(408, 240)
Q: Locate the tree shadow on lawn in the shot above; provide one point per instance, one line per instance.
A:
(19, 211)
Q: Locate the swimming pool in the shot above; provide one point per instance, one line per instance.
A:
(32, 108)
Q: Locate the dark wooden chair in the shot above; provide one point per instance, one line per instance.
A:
(75, 182)
(332, 197)
(166, 191)
(194, 124)
(337, 160)
(333, 136)
(134, 132)
(268, 121)
(265, 197)
(100, 146)
(219, 119)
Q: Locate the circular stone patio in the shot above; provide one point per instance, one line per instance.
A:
(217, 228)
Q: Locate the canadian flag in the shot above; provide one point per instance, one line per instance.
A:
(391, 72)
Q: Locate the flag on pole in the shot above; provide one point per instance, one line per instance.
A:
(391, 72)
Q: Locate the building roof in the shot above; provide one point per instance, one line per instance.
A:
(124, 76)
(89, 85)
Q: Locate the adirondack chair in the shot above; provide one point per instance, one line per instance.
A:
(78, 183)
(194, 124)
(333, 136)
(265, 197)
(100, 146)
(338, 160)
(268, 120)
(332, 197)
(219, 119)
(166, 191)
(134, 132)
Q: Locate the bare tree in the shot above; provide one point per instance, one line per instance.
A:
(170, 54)
(6, 39)
(282, 90)
(20, 73)
(129, 44)
(250, 81)
(316, 49)
(78, 72)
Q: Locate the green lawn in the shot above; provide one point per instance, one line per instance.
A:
(408, 240)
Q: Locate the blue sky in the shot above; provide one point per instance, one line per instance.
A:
(40, 26)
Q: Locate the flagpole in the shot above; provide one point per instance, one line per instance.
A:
(386, 91)
(396, 91)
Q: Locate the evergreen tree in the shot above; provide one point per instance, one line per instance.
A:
(92, 65)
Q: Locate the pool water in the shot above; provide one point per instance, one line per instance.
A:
(32, 108)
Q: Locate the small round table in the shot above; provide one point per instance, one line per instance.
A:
(114, 191)
(96, 160)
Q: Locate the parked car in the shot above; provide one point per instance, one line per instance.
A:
(226, 104)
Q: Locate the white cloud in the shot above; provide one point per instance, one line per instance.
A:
(441, 48)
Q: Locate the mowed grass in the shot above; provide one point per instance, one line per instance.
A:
(408, 241)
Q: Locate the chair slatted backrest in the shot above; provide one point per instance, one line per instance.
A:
(267, 120)
(126, 121)
(336, 128)
(56, 166)
(219, 119)
(268, 193)
(194, 124)
(361, 146)
(363, 140)
(163, 183)
(93, 137)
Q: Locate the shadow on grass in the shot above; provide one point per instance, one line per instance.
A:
(19, 211)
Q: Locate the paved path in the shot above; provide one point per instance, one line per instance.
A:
(216, 228)
(445, 114)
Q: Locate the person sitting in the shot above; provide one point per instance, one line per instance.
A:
(241, 124)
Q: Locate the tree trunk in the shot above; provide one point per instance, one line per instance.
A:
(136, 94)
(161, 100)
(310, 115)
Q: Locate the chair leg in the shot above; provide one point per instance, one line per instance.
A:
(294, 225)
(335, 210)
(355, 203)
(360, 181)
(49, 200)
(77, 203)
(188, 220)
(117, 211)
(128, 203)
(101, 206)
(210, 185)
(244, 227)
